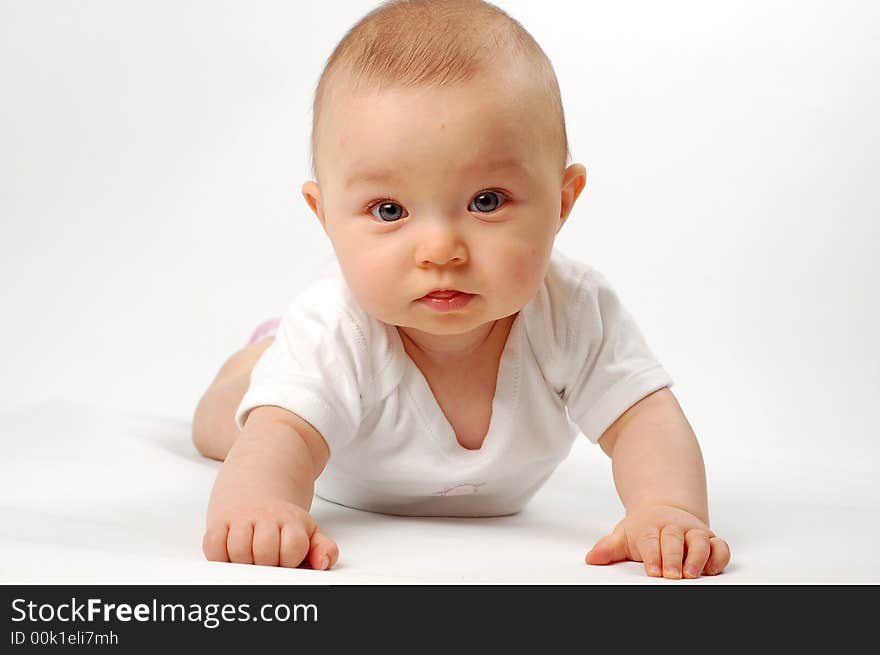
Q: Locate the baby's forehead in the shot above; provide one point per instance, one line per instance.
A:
(475, 118)
(362, 170)
(382, 112)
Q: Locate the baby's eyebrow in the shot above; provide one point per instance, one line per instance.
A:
(371, 176)
(383, 175)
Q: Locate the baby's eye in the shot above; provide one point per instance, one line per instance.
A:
(389, 212)
(489, 201)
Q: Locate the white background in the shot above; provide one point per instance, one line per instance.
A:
(152, 154)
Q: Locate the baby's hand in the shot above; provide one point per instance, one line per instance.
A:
(271, 533)
(664, 538)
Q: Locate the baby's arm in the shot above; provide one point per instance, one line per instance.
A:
(660, 477)
(259, 507)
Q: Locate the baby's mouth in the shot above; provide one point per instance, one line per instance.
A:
(444, 294)
(445, 300)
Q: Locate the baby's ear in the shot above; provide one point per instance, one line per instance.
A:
(312, 193)
(573, 182)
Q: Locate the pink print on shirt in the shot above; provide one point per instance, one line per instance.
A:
(461, 489)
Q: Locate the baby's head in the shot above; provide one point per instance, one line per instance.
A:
(439, 153)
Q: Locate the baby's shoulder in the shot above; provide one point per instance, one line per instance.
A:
(568, 278)
(551, 317)
(326, 317)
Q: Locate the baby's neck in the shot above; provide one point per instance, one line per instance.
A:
(456, 350)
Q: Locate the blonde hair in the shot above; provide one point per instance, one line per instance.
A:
(435, 43)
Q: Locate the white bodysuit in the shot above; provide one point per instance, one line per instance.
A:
(574, 361)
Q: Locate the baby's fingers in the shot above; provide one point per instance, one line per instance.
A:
(297, 548)
(672, 549)
(649, 552)
(719, 557)
(294, 545)
(698, 550)
(267, 537)
(323, 551)
(239, 543)
(214, 543)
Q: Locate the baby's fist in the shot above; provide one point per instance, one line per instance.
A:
(274, 533)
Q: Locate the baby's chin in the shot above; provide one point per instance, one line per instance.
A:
(415, 316)
(441, 329)
(444, 324)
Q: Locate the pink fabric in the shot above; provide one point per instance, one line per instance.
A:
(265, 329)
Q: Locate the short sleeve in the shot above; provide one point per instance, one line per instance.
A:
(611, 365)
(313, 368)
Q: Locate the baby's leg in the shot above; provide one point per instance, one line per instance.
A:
(214, 428)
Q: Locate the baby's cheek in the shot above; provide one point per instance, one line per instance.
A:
(526, 265)
(374, 291)
(378, 288)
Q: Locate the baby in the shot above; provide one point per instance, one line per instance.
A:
(449, 362)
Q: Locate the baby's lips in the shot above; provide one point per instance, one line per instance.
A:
(444, 294)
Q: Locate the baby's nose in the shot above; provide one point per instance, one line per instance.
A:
(441, 244)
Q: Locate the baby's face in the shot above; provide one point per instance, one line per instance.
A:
(460, 188)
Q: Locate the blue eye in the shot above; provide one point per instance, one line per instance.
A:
(389, 212)
(486, 203)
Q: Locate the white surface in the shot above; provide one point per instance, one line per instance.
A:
(152, 156)
(95, 497)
